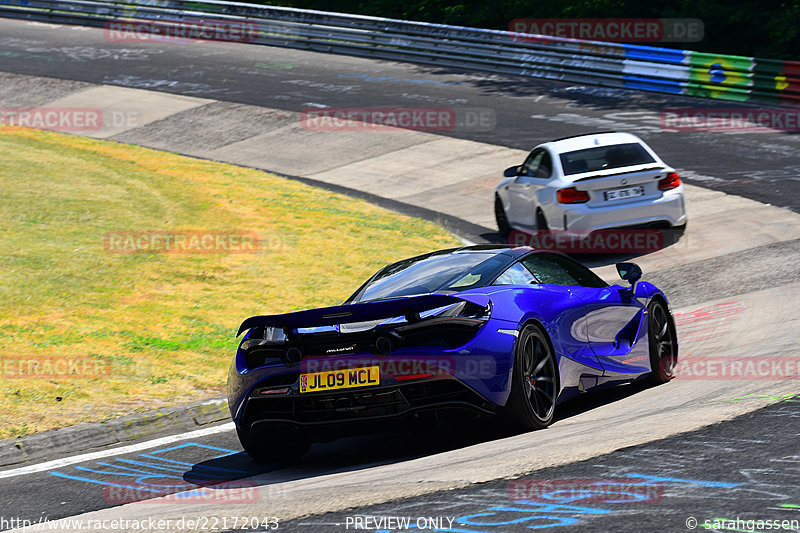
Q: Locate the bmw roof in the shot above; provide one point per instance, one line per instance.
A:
(590, 140)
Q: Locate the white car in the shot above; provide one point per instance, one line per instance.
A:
(590, 182)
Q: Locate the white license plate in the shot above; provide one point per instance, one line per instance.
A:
(621, 194)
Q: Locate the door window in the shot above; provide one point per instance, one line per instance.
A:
(532, 163)
(515, 275)
(539, 164)
(554, 269)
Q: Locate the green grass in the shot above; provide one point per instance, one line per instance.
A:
(162, 323)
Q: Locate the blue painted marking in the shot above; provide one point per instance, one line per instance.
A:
(135, 474)
(198, 445)
(150, 465)
(148, 456)
(657, 479)
(655, 54)
(172, 470)
(555, 521)
(148, 472)
(583, 494)
(59, 474)
(198, 466)
(470, 520)
(554, 508)
(651, 84)
(446, 530)
(563, 521)
(140, 476)
(413, 526)
(168, 486)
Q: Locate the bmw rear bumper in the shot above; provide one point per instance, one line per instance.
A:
(669, 209)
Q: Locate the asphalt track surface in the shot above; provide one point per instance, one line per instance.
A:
(747, 467)
(727, 471)
(523, 111)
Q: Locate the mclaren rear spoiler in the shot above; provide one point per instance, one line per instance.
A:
(359, 312)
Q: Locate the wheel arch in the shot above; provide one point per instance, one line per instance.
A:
(659, 297)
(535, 321)
(502, 194)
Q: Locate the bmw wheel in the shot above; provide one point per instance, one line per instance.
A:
(503, 227)
(541, 221)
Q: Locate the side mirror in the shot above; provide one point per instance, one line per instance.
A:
(511, 172)
(630, 272)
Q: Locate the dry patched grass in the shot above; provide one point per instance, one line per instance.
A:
(163, 324)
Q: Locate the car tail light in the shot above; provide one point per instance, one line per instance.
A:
(407, 377)
(672, 181)
(571, 195)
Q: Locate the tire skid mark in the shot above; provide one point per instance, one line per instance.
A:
(707, 327)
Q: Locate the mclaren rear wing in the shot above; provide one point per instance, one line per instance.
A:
(359, 312)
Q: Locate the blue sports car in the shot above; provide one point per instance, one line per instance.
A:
(488, 329)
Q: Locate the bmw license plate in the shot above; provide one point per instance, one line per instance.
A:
(340, 379)
(621, 194)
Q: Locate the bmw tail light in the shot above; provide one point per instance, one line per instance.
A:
(672, 181)
(571, 195)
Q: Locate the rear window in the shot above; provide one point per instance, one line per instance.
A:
(604, 157)
(438, 272)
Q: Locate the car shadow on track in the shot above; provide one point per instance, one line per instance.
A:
(407, 443)
(665, 238)
(598, 398)
(347, 454)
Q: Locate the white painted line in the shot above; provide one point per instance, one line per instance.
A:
(66, 461)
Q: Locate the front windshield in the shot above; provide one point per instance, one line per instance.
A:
(449, 272)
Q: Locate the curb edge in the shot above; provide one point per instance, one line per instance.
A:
(127, 428)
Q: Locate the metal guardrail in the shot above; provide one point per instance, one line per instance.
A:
(626, 66)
